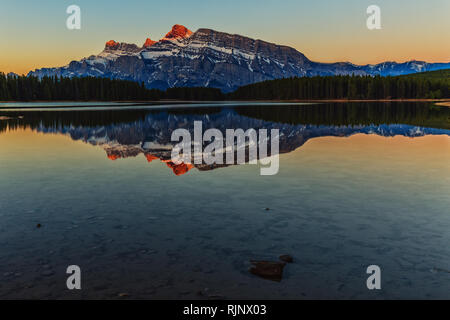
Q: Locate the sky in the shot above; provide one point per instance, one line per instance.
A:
(33, 34)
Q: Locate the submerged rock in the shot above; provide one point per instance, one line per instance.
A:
(435, 270)
(210, 295)
(270, 270)
(47, 273)
(123, 295)
(286, 258)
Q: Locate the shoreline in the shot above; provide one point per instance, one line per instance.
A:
(443, 101)
(443, 104)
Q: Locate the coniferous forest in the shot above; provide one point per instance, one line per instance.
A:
(74, 89)
(350, 87)
(429, 85)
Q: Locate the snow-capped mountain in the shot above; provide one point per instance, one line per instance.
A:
(210, 58)
(12, 75)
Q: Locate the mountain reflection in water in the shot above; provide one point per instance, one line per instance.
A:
(129, 133)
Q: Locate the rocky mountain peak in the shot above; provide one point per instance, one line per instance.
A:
(112, 45)
(178, 32)
(149, 42)
(12, 75)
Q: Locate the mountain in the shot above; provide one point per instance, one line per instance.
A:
(208, 58)
(12, 75)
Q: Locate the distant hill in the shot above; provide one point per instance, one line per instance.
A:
(428, 85)
(438, 74)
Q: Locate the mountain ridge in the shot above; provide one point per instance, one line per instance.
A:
(209, 58)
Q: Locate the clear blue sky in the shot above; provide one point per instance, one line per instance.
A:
(34, 35)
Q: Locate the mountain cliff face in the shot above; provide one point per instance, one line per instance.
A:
(210, 58)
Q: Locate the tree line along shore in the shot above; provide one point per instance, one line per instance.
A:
(428, 85)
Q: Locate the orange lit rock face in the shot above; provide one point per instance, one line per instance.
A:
(149, 42)
(150, 157)
(179, 169)
(111, 44)
(113, 157)
(178, 31)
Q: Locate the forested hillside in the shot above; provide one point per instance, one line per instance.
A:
(433, 85)
(428, 85)
(88, 88)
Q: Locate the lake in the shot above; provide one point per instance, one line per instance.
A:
(359, 184)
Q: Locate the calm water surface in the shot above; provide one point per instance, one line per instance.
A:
(359, 184)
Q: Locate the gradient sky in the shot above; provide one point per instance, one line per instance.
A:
(33, 33)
